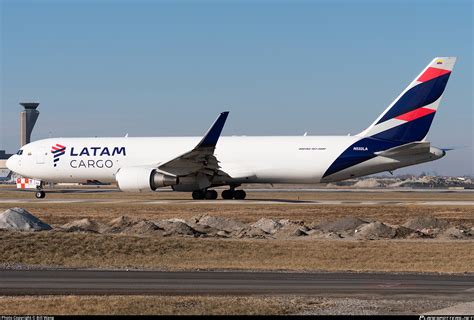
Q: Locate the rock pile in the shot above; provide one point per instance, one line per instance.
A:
(343, 225)
(219, 223)
(84, 225)
(265, 228)
(376, 230)
(22, 220)
(426, 226)
(269, 226)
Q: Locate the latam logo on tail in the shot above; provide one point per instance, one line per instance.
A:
(57, 150)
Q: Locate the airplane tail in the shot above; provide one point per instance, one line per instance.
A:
(409, 117)
(403, 126)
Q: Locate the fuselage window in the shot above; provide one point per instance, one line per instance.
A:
(20, 152)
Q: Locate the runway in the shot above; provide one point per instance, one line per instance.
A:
(289, 196)
(248, 202)
(93, 282)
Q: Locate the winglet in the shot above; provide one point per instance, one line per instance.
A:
(212, 135)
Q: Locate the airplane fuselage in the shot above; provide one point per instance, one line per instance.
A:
(270, 159)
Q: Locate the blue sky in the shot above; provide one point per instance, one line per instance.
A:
(165, 68)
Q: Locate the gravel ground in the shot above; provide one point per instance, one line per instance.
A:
(353, 306)
(219, 305)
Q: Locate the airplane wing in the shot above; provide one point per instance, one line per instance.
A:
(406, 149)
(201, 159)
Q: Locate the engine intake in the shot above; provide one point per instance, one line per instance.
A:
(138, 179)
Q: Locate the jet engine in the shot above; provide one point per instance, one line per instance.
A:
(142, 179)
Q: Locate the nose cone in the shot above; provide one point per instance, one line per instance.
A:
(11, 163)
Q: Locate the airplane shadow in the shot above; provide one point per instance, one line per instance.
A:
(67, 190)
(281, 200)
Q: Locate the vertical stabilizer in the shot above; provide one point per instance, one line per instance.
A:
(409, 117)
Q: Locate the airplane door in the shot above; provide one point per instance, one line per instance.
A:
(40, 157)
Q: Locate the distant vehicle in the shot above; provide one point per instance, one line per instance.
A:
(394, 140)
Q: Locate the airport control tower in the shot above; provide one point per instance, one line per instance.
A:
(28, 119)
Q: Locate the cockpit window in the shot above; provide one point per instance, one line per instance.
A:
(20, 152)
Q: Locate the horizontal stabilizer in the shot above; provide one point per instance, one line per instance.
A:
(406, 149)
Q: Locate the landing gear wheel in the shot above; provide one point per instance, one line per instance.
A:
(210, 194)
(227, 194)
(40, 194)
(198, 195)
(239, 194)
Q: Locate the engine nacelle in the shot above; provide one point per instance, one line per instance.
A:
(139, 179)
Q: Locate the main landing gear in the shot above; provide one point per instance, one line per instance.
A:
(205, 194)
(233, 194)
(226, 194)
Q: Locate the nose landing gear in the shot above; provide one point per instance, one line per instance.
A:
(40, 194)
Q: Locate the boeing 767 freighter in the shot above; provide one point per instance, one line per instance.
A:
(394, 140)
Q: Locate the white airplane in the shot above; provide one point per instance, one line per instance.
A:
(394, 140)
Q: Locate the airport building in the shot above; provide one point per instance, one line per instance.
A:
(5, 174)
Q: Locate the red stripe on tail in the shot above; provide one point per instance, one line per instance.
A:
(432, 73)
(415, 114)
